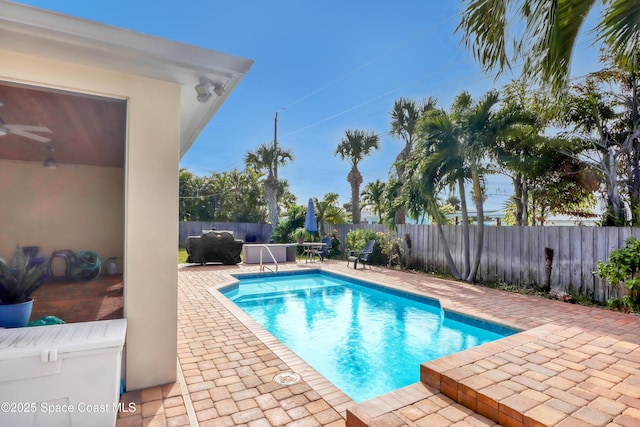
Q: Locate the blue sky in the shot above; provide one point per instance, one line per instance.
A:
(323, 66)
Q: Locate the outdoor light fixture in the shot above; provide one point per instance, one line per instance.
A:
(206, 88)
(50, 163)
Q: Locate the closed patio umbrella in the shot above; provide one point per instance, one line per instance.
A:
(310, 222)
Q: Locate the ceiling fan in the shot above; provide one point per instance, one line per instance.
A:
(26, 131)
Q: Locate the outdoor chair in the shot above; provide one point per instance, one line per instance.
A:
(323, 252)
(362, 256)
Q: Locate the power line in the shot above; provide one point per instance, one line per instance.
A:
(408, 40)
(369, 101)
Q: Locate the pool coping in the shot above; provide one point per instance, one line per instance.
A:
(355, 413)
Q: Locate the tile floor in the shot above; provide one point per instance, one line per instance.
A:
(572, 366)
(80, 301)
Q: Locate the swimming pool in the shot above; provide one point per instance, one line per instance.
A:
(366, 339)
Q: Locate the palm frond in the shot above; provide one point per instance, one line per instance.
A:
(542, 32)
(552, 26)
(484, 28)
(620, 30)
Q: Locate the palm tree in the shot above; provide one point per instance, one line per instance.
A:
(430, 180)
(268, 157)
(454, 202)
(392, 199)
(327, 211)
(404, 122)
(453, 148)
(285, 197)
(485, 127)
(545, 34)
(242, 196)
(415, 200)
(441, 145)
(478, 121)
(190, 194)
(355, 146)
(373, 196)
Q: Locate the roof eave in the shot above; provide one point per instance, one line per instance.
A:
(35, 31)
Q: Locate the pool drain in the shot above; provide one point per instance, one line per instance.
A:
(286, 378)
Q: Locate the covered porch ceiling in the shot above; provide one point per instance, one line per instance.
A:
(80, 129)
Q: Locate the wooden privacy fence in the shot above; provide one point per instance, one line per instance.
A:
(516, 255)
(513, 255)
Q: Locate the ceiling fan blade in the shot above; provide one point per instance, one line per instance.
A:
(27, 132)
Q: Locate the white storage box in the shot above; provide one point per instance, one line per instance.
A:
(61, 375)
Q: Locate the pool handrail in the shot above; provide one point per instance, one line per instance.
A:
(262, 266)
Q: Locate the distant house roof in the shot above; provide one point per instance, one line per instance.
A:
(47, 34)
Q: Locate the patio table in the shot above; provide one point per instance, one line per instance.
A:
(311, 250)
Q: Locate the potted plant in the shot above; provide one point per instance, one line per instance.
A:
(300, 234)
(18, 280)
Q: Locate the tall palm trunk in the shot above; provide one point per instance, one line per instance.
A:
(517, 199)
(401, 161)
(611, 185)
(634, 187)
(271, 198)
(525, 203)
(477, 197)
(443, 240)
(355, 179)
(465, 227)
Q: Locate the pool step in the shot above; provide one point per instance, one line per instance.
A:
(506, 380)
(509, 381)
(416, 404)
(309, 292)
(475, 400)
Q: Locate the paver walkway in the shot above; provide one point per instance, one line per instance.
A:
(572, 366)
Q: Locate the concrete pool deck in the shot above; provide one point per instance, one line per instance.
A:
(572, 365)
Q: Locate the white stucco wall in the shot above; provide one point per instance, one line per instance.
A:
(150, 204)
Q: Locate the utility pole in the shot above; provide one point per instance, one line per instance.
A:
(275, 146)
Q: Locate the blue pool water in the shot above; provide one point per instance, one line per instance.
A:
(366, 339)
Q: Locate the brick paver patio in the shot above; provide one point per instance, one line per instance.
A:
(571, 366)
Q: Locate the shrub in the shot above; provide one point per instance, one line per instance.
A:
(386, 251)
(623, 269)
(334, 249)
(391, 248)
(616, 304)
(283, 231)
